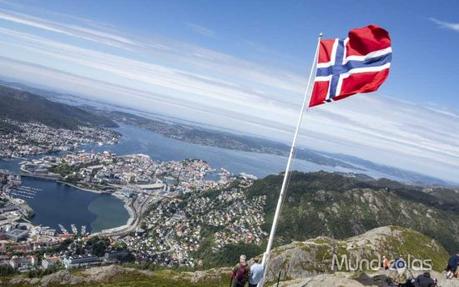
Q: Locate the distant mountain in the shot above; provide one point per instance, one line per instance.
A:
(191, 132)
(340, 206)
(199, 135)
(23, 106)
(392, 172)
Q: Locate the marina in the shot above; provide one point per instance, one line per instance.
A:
(24, 192)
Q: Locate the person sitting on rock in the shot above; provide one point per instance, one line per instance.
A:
(401, 276)
(386, 263)
(240, 274)
(451, 268)
(424, 280)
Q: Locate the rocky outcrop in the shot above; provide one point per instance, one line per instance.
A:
(323, 280)
(377, 279)
(61, 277)
(326, 255)
(65, 277)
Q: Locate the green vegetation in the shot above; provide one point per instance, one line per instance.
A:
(228, 255)
(98, 245)
(64, 169)
(6, 270)
(26, 107)
(419, 246)
(340, 206)
(162, 278)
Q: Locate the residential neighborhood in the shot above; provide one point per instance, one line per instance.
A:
(30, 138)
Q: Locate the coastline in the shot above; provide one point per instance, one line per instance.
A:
(131, 222)
(82, 188)
(58, 180)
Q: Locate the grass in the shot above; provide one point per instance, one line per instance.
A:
(162, 278)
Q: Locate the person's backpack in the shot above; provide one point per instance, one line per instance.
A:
(241, 273)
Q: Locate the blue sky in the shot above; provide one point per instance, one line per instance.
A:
(286, 28)
(242, 65)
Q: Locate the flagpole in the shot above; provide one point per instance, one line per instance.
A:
(267, 254)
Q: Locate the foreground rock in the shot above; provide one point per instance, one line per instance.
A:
(315, 256)
(367, 280)
(323, 280)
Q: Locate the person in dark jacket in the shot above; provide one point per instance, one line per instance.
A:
(424, 280)
(451, 268)
(240, 274)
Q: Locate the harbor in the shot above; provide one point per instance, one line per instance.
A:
(67, 209)
(24, 192)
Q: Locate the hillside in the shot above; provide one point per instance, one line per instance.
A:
(118, 276)
(24, 107)
(306, 263)
(340, 206)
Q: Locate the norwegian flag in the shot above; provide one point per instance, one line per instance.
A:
(357, 64)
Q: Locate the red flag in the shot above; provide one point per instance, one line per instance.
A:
(357, 64)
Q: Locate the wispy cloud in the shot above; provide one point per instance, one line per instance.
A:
(201, 30)
(67, 29)
(448, 25)
(177, 78)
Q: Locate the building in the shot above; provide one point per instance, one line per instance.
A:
(50, 262)
(17, 234)
(82, 261)
(8, 209)
(117, 256)
(159, 186)
(24, 263)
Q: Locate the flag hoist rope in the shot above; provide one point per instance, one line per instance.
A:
(267, 254)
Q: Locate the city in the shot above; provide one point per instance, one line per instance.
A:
(172, 204)
(20, 139)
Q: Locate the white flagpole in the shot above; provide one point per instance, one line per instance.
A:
(267, 254)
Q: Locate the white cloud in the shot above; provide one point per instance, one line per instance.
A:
(447, 25)
(203, 85)
(67, 29)
(201, 30)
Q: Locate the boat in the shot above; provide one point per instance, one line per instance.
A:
(62, 228)
(74, 229)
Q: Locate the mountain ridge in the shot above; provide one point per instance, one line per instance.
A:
(332, 159)
(23, 106)
(339, 206)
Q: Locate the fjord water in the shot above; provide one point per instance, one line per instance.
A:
(56, 203)
(159, 147)
(60, 204)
